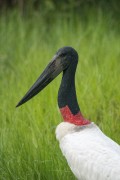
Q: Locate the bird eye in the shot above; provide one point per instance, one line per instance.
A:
(62, 55)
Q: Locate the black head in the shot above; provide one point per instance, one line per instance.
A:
(68, 54)
(60, 62)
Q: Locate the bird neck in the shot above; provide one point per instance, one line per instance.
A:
(67, 99)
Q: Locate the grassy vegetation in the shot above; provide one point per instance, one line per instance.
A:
(28, 148)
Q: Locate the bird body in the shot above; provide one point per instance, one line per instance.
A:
(90, 154)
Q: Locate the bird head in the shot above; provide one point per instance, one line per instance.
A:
(61, 61)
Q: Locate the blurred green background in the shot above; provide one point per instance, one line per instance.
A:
(30, 34)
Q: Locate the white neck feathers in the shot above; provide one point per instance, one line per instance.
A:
(65, 128)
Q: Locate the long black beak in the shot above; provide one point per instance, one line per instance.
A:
(54, 68)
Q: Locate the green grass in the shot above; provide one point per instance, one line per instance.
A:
(28, 148)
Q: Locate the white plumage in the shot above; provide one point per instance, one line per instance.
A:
(90, 154)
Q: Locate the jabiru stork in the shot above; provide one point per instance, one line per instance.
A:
(90, 154)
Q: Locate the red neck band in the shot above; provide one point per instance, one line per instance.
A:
(76, 119)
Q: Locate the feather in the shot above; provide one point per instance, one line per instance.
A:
(90, 154)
